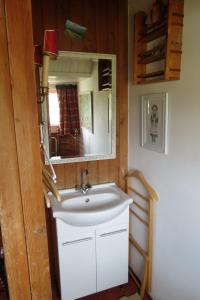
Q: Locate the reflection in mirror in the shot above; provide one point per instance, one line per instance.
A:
(80, 112)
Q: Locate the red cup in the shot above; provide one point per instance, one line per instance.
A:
(50, 43)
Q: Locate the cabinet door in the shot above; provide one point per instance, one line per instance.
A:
(112, 257)
(77, 263)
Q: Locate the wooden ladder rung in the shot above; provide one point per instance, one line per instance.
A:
(139, 218)
(151, 196)
(139, 248)
(140, 207)
(138, 193)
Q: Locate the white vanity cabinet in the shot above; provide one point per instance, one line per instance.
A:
(77, 264)
(92, 258)
(112, 256)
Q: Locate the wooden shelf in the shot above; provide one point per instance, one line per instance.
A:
(164, 56)
(154, 26)
(154, 35)
(105, 74)
(106, 84)
(151, 59)
(106, 70)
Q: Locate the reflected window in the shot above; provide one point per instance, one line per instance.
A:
(54, 111)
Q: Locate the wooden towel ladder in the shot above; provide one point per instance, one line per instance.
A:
(149, 197)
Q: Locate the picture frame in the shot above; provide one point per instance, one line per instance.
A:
(154, 122)
(86, 110)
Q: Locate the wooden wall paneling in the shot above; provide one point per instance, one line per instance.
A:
(70, 175)
(38, 34)
(103, 171)
(19, 27)
(89, 17)
(113, 171)
(102, 47)
(123, 89)
(93, 172)
(108, 171)
(79, 168)
(60, 173)
(63, 14)
(112, 38)
(76, 15)
(101, 26)
(113, 44)
(11, 212)
(49, 19)
(38, 28)
(107, 33)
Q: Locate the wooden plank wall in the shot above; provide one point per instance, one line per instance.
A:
(106, 21)
(22, 213)
(11, 212)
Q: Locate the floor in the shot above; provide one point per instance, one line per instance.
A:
(113, 294)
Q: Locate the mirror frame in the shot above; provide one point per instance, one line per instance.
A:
(91, 157)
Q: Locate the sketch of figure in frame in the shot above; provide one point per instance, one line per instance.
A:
(154, 120)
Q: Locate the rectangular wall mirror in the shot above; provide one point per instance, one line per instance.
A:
(80, 114)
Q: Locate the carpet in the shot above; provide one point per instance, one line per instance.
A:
(133, 297)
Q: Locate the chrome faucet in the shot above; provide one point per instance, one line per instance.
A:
(84, 185)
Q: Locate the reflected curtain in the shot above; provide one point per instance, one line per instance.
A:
(69, 111)
(70, 131)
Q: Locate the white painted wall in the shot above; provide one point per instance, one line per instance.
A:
(98, 142)
(176, 176)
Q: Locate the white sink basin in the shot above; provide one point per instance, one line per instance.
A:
(102, 203)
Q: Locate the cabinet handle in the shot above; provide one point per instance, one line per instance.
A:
(113, 232)
(77, 241)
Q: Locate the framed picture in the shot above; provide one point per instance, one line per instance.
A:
(86, 110)
(154, 122)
